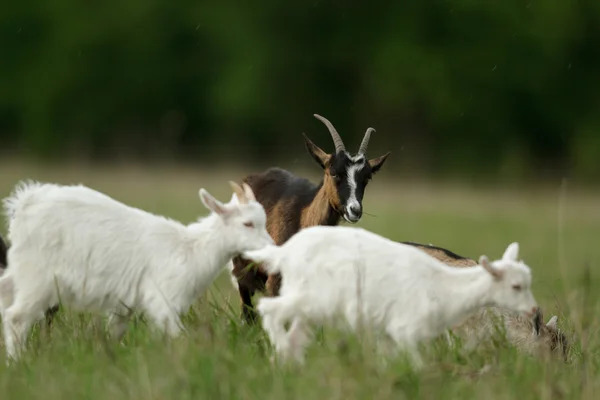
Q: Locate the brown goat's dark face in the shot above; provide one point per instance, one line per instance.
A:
(349, 176)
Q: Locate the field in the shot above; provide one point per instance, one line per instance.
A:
(558, 229)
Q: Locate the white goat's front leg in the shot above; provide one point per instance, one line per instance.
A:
(299, 336)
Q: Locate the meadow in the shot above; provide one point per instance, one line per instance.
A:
(557, 227)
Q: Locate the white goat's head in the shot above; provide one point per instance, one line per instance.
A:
(244, 218)
(512, 282)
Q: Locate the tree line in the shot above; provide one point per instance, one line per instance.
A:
(506, 87)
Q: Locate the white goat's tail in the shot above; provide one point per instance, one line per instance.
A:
(267, 256)
(19, 198)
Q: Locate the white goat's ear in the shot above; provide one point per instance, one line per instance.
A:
(552, 323)
(512, 252)
(485, 263)
(248, 192)
(211, 203)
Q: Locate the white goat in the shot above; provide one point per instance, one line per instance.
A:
(354, 274)
(92, 253)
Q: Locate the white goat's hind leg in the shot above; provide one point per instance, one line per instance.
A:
(268, 307)
(406, 344)
(166, 320)
(275, 312)
(299, 336)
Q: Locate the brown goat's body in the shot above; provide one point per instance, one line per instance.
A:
(291, 203)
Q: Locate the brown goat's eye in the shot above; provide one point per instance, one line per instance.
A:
(249, 224)
(516, 287)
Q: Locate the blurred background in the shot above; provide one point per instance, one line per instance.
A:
(496, 90)
(491, 109)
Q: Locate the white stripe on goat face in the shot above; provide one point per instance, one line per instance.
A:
(353, 206)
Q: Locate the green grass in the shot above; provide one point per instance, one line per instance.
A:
(219, 358)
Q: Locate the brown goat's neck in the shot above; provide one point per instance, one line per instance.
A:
(321, 211)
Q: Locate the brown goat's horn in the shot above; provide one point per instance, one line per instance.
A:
(365, 142)
(337, 140)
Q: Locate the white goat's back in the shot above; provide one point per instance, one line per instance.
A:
(352, 267)
(83, 239)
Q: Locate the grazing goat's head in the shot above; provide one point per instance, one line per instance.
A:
(549, 336)
(512, 282)
(346, 175)
(243, 217)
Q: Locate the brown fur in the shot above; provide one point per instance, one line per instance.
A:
(318, 210)
(445, 256)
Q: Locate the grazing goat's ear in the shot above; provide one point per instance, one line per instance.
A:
(485, 263)
(512, 252)
(211, 203)
(315, 151)
(552, 323)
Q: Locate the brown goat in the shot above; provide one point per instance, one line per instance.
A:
(532, 336)
(292, 203)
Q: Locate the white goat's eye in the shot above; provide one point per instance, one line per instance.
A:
(249, 224)
(516, 287)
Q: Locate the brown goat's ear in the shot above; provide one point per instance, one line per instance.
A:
(485, 263)
(315, 151)
(239, 192)
(377, 163)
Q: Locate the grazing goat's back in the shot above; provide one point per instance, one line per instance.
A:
(444, 255)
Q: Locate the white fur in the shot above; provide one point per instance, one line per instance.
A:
(354, 274)
(92, 253)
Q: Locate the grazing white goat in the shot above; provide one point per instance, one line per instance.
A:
(364, 278)
(92, 253)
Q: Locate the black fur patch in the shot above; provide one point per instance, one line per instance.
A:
(3, 250)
